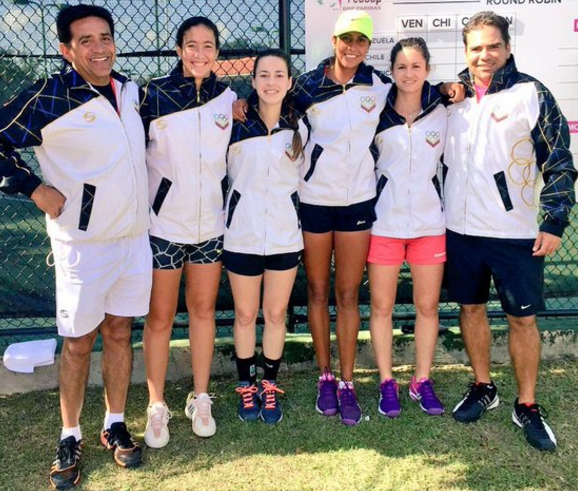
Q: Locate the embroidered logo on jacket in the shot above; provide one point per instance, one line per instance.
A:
(221, 120)
(289, 151)
(499, 114)
(161, 124)
(367, 103)
(89, 117)
(432, 138)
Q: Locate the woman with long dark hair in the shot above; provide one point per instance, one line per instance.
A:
(188, 123)
(263, 241)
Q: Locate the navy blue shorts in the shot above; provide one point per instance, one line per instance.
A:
(321, 219)
(255, 265)
(170, 255)
(518, 276)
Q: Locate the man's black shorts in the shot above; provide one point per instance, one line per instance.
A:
(518, 276)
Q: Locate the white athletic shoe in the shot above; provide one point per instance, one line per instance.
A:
(198, 409)
(157, 430)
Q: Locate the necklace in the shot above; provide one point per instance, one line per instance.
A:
(410, 114)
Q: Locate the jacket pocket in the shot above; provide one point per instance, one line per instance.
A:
(315, 154)
(224, 189)
(444, 173)
(380, 185)
(295, 201)
(233, 202)
(436, 184)
(500, 179)
(162, 192)
(88, 193)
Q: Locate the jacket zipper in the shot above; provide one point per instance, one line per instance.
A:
(118, 113)
(265, 248)
(410, 172)
(200, 175)
(348, 147)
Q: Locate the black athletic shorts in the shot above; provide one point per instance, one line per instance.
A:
(518, 276)
(321, 219)
(255, 265)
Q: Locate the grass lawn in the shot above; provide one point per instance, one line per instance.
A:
(307, 451)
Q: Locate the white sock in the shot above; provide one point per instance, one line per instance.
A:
(75, 432)
(157, 404)
(343, 384)
(110, 418)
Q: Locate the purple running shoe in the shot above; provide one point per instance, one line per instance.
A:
(326, 403)
(349, 409)
(389, 398)
(423, 392)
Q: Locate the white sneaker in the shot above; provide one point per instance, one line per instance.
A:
(198, 409)
(157, 430)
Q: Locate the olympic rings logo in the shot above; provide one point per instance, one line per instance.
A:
(367, 99)
(367, 103)
(221, 120)
(432, 138)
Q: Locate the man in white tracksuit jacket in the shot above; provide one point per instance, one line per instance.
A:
(88, 137)
(506, 135)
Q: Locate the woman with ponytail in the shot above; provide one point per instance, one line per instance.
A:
(263, 240)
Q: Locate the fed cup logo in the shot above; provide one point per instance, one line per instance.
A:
(499, 114)
(432, 138)
(221, 120)
(367, 103)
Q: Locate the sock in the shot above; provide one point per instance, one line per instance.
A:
(271, 368)
(247, 370)
(490, 385)
(415, 382)
(326, 375)
(390, 380)
(110, 418)
(75, 432)
(343, 384)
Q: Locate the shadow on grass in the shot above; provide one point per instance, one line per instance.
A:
(307, 451)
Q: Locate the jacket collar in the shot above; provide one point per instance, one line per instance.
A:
(188, 86)
(504, 78)
(74, 80)
(430, 98)
(253, 114)
(363, 75)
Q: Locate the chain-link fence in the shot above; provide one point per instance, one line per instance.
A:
(145, 31)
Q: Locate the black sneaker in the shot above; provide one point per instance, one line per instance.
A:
(64, 473)
(537, 431)
(126, 452)
(478, 399)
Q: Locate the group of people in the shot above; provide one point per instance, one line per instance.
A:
(344, 167)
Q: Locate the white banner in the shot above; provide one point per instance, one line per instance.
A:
(544, 38)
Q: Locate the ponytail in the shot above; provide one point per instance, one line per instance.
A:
(297, 142)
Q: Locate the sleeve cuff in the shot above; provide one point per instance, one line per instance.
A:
(30, 184)
(552, 228)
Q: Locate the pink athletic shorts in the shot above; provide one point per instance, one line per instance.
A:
(389, 251)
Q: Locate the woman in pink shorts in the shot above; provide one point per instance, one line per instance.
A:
(410, 223)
